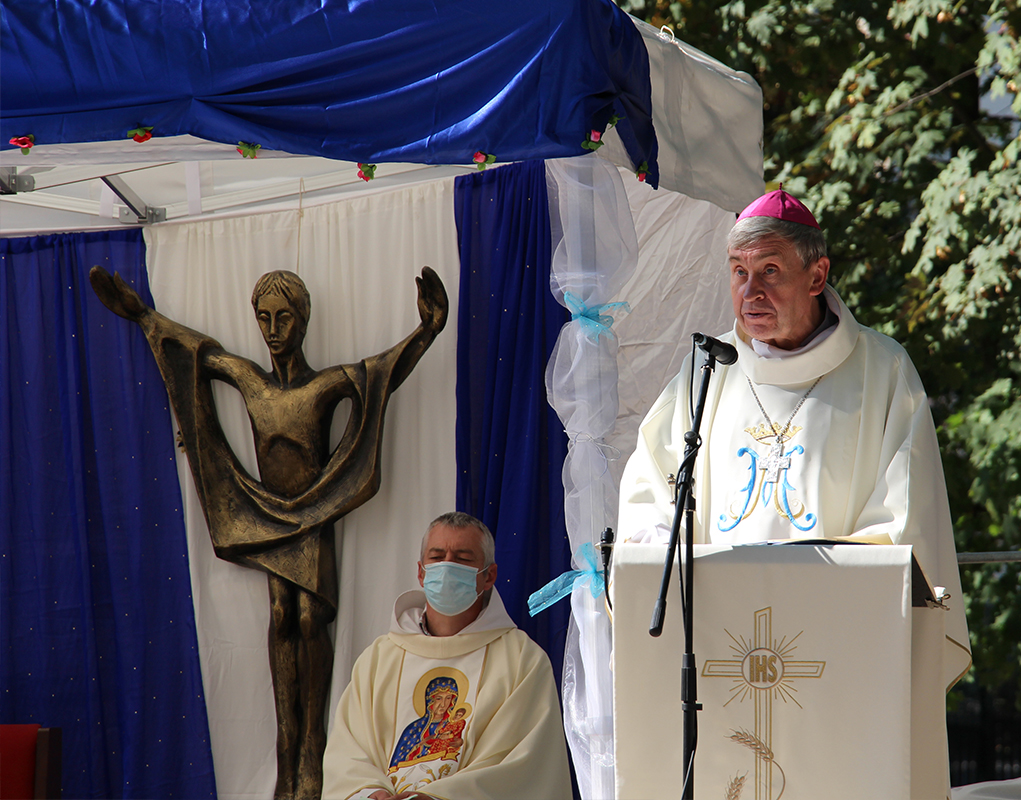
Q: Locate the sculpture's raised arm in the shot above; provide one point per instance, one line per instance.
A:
(432, 301)
(433, 308)
(117, 295)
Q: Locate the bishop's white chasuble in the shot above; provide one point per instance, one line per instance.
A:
(836, 442)
(859, 459)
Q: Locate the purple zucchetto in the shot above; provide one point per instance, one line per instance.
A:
(780, 205)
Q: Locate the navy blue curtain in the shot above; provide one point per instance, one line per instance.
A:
(97, 630)
(510, 443)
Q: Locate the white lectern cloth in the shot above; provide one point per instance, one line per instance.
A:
(803, 658)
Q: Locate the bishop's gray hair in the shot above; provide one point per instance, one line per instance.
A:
(808, 242)
(460, 520)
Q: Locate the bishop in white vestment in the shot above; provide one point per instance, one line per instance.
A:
(821, 429)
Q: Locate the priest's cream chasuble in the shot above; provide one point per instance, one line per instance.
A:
(474, 715)
(835, 442)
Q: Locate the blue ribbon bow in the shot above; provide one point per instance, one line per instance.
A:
(593, 321)
(558, 588)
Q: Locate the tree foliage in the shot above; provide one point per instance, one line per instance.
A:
(898, 125)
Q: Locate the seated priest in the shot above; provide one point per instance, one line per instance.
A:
(821, 429)
(454, 702)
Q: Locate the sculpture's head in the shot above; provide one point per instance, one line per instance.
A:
(282, 306)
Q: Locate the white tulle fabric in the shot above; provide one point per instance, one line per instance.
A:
(617, 240)
(595, 251)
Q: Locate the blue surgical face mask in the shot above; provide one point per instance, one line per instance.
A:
(450, 587)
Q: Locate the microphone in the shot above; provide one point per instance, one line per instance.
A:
(724, 353)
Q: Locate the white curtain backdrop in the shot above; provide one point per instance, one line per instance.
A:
(359, 259)
(681, 286)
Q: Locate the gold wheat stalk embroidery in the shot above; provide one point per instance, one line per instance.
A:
(735, 786)
(752, 742)
(755, 744)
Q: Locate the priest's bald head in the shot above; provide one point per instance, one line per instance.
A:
(778, 268)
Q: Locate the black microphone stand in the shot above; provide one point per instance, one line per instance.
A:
(684, 497)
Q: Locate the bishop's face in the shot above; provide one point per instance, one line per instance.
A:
(281, 327)
(774, 295)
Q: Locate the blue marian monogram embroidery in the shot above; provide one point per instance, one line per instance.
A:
(767, 481)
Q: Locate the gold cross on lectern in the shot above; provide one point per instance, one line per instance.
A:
(762, 670)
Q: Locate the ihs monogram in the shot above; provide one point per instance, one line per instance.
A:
(763, 669)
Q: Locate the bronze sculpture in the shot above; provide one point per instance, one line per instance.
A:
(282, 523)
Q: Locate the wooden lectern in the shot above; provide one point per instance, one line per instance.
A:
(819, 675)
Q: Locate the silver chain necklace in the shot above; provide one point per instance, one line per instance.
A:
(776, 461)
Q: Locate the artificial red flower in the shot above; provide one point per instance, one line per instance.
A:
(593, 140)
(141, 133)
(483, 160)
(26, 143)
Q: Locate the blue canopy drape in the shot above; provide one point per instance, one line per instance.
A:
(97, 629)
(511, 445)
(421, 81)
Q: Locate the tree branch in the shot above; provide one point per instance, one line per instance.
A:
(931, 92)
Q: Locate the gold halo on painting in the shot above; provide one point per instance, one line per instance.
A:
(463, 685)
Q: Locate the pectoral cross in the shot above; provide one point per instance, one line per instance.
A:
(775, 462)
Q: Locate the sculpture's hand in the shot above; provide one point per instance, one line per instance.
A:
(117, 295)
(432, 300)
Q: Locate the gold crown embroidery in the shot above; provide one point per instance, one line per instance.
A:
(762, 434)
